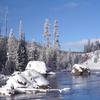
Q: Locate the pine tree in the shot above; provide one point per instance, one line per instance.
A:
(3, 53)
(87, 47)
(22, 57)
(56, 36)
(54, 60)
(12, 46)
(11, 54)
(47, 33)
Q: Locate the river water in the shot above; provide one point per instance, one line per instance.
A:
(81, 88)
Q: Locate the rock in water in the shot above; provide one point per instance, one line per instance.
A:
(80, 70)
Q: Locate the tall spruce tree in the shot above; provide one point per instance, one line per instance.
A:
(12, 46)
(3, 53)
(22, 57)
(11, 54)
(46, 33)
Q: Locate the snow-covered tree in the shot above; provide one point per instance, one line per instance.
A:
(22, 57)
(46, 33)
(56, 36)
(3, 53)
(12, 46)
(11, 54)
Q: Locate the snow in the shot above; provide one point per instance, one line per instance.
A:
(8, 91)
(28, 79)
(33, 76)
(79, 67)
(51, 73)
(38, 66)
(17, 81)
(93, 63)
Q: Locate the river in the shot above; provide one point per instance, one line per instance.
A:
(81, 88)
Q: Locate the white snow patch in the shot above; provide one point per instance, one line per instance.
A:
(93, 63)
(51, 73)
(78, 67)
(38, 66)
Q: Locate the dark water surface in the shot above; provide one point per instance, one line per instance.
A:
(82, 88)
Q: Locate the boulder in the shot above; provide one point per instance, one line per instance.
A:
(38, 66)
(80, 70)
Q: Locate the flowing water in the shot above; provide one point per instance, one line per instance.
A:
(82, 88)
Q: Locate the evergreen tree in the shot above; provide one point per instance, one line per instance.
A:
(22, 56)
(56, 36)
(3, 53)
(11, 54)
(12, 46)
(35, 54)
(47, 33)
(54, 60)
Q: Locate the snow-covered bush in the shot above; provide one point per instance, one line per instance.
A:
(78, 69)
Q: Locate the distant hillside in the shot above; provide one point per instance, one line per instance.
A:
(93, 61)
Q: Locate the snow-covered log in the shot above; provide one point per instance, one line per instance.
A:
(38, 66)
(31, 90)
(80, 70)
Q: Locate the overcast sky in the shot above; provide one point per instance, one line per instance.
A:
(78, 20)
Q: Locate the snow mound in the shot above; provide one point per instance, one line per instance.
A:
(79, 69)
(38, 66)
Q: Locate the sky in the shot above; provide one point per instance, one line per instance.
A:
(78, 20)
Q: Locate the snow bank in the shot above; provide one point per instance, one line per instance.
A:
(93, 63)
(38, 66)
(80, 70)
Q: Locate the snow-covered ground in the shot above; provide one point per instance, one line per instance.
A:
(93, 63)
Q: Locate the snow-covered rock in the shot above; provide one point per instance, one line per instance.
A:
(38, 66)
(6, 90)
(80, 70)
(26, 80)
(17, 81)
(34, 76)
